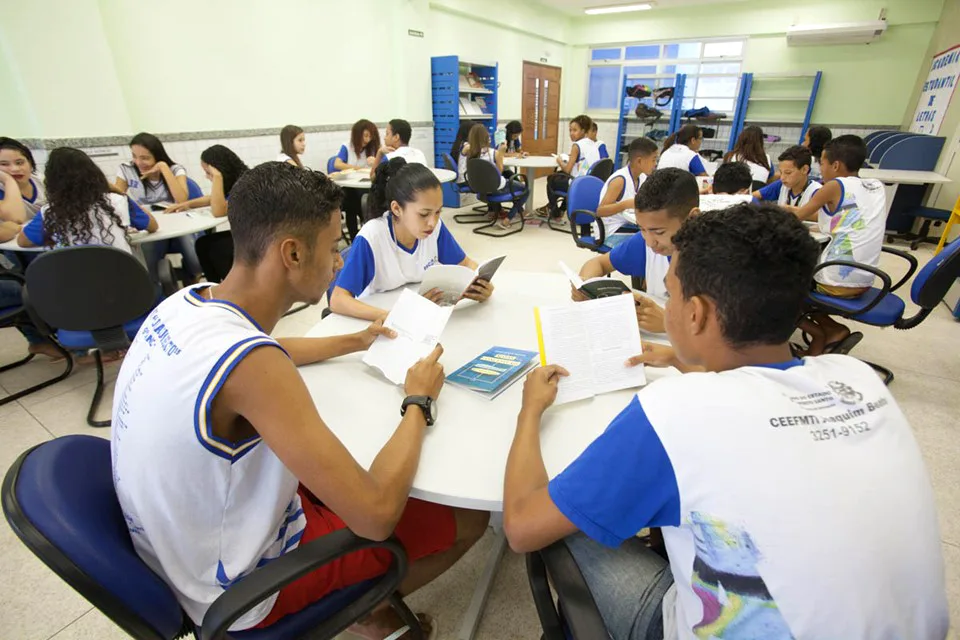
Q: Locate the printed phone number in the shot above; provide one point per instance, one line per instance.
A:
(834, 433)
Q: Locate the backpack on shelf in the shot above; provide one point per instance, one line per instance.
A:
(639, 91)
(663, 96)
(647, 115)
(657, 134)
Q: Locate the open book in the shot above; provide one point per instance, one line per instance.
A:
(595, 287)
(454, 280)
(592, 340)
(418, 323)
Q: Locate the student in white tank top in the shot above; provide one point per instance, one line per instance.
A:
(21, 196)
(205, 390)
(293, 144)
(853, 212)
(664, 201)
(795, 187)
(682, 151)
(619, 191)
(396, 247)
(583, 155)
(746, 462)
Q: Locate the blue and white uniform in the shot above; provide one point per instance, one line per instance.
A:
(410, 154)
(348, 155)
(680, 156)
(32, 205)
(377, 262)
(793, 501)
(630, 185)
(635, 258)
(758, 172)
(783, 195)
(147, 191)
(602, 149)
(589, 156)
(487, 154)
(202, 511)
(856, 229)
(129, 212)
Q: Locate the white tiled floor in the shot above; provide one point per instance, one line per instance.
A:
(36, 605)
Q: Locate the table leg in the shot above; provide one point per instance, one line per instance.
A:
(471, 619)
(531, 178)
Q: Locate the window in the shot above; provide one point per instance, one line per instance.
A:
(712, 68)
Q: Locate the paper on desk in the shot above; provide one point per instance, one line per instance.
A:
(418, 323)
(592, 340)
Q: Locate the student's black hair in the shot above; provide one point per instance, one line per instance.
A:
(19, 147)
(819, 137)
(799, 155)
(152, 144)
(686, 133)
(755, 262)
(641, 146)
(287, 135)
(229, 164)
(75, 185)
(669, 141)
(462, 133)
(849, 150)
(514, 127)
(277, 198)
(593, 126)
(674, 190)
(732, 177)
(396, 180)
(584, 122)
(402, 128)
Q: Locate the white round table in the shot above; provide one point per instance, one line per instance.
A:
(530, 164)
(360, 178)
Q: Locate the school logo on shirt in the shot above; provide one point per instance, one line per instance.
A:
(846, 393)
(432, 262)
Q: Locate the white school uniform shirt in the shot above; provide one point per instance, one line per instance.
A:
(758, 172)
(410, 154)
(614, 222)
(202, 512)
(793, 501)
(778, 191)
(150, 191)
(856, 230)
(487, 154)
(129, 212)
(680, 156)
(31, 205)
(352, 158)
(589, 156)
(815, 172)
(634, 258)
(377, 262)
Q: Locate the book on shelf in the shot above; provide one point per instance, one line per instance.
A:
(481, 103)
(493, 371)
(473, 81)
(454, 279)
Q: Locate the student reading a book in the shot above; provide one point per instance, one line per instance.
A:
(402, 239)
(478, 146)
(512, 145)
(223, 168)
(620, 191)
(396, 144)
(257, 430)
(293, 144)
(746, 468)
(664, 201)
(583, 155)
(21, 196)
(795, 186)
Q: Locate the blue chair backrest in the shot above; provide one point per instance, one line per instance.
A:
(331, 167)
(584, 195)
(193, 189)
(343, 254)
(449, 163)
(63, 491)
(932, 282)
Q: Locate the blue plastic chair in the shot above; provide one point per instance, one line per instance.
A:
(484, 180)
(193, 189)
(584, 200)
(59, 498)
(881, 307)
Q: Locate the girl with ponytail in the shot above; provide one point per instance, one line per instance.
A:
(402, 238)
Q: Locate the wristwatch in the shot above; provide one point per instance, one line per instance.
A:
(426, 404)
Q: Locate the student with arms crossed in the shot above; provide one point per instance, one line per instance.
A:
(223, 168)
(21, 196)
(620, 190)
(273, 474)
(795, 187)
(663, 202)
(396, 144)
(403, 238)
(759, 545)
(682, 151)
(853, 212)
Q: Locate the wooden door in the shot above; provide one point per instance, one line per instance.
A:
(540, 108)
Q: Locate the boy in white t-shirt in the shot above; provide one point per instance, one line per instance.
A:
(853, 212)
(396, 144)
(791, 495)
(620, 190)
(795, 187)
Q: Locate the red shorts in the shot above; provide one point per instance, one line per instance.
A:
(424, 529)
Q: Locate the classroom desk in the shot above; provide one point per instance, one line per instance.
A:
(171, 225)
(465, 453)
(360, 178)
(530, 164)
(914, 190)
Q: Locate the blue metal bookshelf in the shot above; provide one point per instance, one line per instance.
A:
(776, 99)
(628, 105)
(449, 86)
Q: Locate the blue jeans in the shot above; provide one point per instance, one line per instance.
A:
(517, 187)
(628, 584)
(11, 296)
(153, 252)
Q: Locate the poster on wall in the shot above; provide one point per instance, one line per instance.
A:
(937, 92)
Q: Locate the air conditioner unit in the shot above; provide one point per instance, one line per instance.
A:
(841, 33)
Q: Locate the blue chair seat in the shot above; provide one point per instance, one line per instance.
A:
(886, 313)
(929, 212)
(500, 197)
(84, 339)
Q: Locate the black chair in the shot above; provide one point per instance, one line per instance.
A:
(215, 252)
(59, 498)
(602, 169)
(464, 188)
(575, 615)
(96, 296)
(484, 179)
(17, 316)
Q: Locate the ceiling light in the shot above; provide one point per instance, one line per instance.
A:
(618, 8)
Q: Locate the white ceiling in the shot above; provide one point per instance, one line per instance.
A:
(576, 7)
